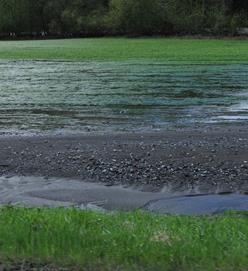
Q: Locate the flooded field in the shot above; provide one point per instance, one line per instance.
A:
(50, 96)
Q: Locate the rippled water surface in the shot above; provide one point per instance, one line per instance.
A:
(99, 96)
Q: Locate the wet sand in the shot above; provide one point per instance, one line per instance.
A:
(208, 159)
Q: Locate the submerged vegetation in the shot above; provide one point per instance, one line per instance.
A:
(186, 50)
(124, 241)
(121, 17)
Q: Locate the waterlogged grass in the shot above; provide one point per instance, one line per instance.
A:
(162, 49)
(124, 241)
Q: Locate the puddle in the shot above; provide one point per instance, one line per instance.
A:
(199, 204)
(53, 192)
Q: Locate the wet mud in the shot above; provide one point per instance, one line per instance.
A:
(41, 192)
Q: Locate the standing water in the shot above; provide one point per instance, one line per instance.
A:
(44, 96)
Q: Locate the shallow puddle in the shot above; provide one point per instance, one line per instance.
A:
(199, 204)
(42, 192)
(57, 97)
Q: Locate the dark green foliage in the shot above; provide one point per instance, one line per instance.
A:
(129, 17)
(138, 17)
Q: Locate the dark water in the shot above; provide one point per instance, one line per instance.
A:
(199, 204)
(55, 97)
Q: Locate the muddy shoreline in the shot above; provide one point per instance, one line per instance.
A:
(207, 159)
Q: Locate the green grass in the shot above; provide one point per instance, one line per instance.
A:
(124, 241)
(188, 50)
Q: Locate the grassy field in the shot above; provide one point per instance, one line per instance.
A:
(123, 241)
(188, 50)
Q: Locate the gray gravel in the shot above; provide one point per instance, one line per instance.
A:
(206, 159)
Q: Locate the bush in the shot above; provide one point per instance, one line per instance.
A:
(138, 17)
